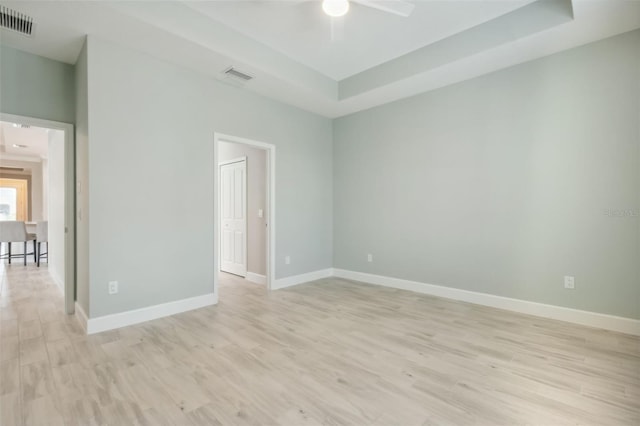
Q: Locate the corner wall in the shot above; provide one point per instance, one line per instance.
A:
(151, 128)
(82, 180)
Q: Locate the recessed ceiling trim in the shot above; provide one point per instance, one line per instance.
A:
(530, 19)
(215, 41)
(189, 35)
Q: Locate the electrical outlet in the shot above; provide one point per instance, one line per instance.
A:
(260, 213)
(569, 282)
(113, 287)
(287, 260)
(369, 257)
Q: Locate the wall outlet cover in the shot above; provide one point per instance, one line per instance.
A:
(569, 282)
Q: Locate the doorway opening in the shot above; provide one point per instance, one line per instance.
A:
(37, 172)
(244, 206)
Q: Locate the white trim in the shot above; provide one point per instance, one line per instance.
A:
(136, 316)
(69, 287)
(302, 278)
(56, 279)
(81, 316)
(256, 278)
(270, 199)
(591, 319)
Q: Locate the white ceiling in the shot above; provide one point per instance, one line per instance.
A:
(287, 45)
(35, 139)
(369, 37)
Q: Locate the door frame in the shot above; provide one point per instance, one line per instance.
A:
(69, 289)
(245, 205)
(270, 208)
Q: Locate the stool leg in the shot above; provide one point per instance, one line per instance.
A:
(39, 251)
(9, 252)
(34, 250)
(24, 255)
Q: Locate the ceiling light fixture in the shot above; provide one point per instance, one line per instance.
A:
(17, 145)
(335, 8)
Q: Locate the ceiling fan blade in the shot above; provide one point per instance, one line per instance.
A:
(402, 8)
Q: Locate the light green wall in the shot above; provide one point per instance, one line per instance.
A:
(151, 165)
(500, 184)
(34, 86)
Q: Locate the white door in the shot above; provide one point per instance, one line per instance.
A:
(233, 214)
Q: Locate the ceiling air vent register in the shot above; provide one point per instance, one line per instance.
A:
(232, 72)
(16, 21)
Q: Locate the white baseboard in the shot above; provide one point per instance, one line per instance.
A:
(56, 279)
(81, 317)
(592, 319)
(123, 319)
(302, 278)
(256, 278)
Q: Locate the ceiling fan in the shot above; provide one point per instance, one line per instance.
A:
(337, 8)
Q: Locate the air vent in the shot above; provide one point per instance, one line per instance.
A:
(231, 71)
(11, 169)
(16, 21)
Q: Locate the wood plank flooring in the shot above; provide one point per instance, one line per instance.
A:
(330, 352)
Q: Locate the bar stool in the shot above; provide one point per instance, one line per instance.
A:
(12, 231)
(42, 236)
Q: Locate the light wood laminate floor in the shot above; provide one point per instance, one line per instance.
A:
(329, 352)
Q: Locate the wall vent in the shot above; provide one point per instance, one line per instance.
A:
(231, 71)
(16, 21)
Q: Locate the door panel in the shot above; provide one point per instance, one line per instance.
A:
(233, 221)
